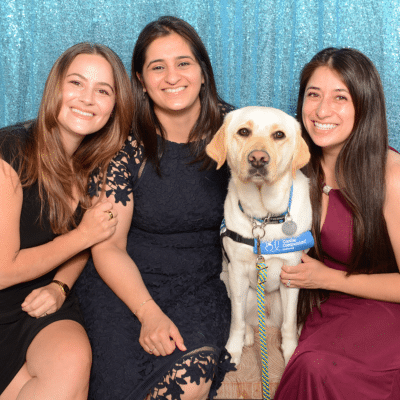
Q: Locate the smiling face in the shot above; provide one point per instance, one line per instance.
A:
(328, 112)
(88, 98)
(172, 76)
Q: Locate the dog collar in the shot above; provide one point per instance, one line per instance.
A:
(277, 219)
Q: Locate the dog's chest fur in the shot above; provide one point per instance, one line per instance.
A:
(237, 221)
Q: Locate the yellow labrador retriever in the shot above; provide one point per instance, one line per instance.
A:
(268, 200)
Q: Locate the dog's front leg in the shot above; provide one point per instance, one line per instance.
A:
(224, 275)
(289, 297)
(239, 287)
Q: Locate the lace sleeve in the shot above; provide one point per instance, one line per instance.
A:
(225, 108)
(122, 173)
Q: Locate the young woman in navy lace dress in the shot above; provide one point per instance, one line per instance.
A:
(160, 326)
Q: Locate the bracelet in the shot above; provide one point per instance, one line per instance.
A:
(142, 305)
(63, 286)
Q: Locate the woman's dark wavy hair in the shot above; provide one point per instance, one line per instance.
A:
(145, 122)
(360, 168)
(44, 159)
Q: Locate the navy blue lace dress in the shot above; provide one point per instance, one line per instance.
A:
(174, 240)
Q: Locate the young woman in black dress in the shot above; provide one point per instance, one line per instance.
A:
(46, 222)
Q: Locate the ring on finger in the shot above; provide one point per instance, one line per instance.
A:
(288, 283)
(110, 214)
(43, 315)
(151, 351)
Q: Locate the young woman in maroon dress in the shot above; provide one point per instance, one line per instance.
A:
(349, 345)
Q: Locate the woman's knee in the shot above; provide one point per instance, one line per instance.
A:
(76, 355)
(20, 379)
(189, 390)
(62, 346)
(194, 391)
(193, 374)
(60, 354)
(313, 364)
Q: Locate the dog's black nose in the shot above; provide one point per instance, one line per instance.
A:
(258, 158)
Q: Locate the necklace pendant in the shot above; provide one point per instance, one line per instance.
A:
(289, 227)
(326, 189)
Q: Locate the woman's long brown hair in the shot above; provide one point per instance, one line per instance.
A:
(360, 168)
(44, 159)
(145, 122)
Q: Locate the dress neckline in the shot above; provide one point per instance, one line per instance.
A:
(176, 144)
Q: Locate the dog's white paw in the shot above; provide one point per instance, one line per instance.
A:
(235, 351)
(249, 336)
(236, 358)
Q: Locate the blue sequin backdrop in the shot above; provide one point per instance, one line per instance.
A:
(257, 47)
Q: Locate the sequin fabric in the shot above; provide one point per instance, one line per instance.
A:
(257, 47)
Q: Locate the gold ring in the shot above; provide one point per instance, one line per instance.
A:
(110, 214)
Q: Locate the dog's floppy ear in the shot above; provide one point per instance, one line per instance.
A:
(216, 149)
(301, 153)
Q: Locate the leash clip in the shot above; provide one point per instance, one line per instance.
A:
(259, 235)
(260, 264)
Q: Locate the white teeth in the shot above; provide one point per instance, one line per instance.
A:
(179, 89)
(325, 126)
(82, 112)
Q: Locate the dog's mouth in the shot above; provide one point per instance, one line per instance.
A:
(257, 174)
(260, 176)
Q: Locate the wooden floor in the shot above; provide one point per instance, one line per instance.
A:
(245, 383)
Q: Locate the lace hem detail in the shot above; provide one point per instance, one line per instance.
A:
(203, 364)
(225, 108)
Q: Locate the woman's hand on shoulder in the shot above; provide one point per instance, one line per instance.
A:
(159, 335)
(45, 300)
(98, 223)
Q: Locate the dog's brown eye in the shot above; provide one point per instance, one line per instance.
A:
(279, 135)
(244, 132)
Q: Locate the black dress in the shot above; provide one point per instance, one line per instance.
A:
(17, 328)
(174, 241)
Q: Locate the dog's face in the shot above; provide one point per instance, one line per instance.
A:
(261, 144)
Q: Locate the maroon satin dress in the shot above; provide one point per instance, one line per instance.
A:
(352, 351)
